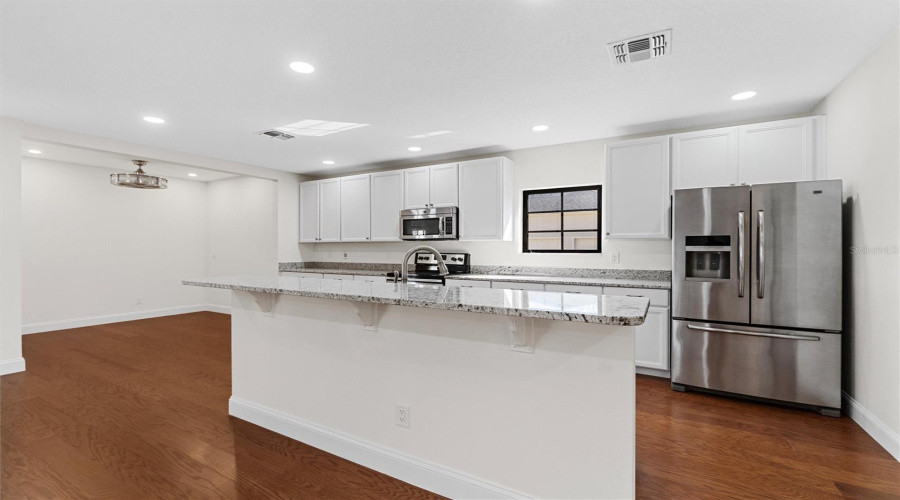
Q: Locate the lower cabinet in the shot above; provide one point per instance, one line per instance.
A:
(337, 276)
(552, 287)
(651, 343)
(301, 275)
(367, 277)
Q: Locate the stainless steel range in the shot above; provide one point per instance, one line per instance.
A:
(426, 267)
(756, 292)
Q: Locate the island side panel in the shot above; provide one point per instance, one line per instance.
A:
(557, 423)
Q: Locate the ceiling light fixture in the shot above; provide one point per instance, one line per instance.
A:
(302, 67)
(740, 96)
(153, 119)
(138, 179)
(539, 128)
(415, 148)
(328, 162)
(317, 128)
(35, 151)
(191, 174)
(429, 134)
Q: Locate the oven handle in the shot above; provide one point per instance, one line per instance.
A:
(754, 334)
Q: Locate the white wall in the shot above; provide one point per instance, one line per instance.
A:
(242, 215)
(91, 248)
(10, 247)
(863, 115)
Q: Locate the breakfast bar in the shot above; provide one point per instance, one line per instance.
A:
(467, 392)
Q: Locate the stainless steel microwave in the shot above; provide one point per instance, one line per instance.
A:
(429, 223)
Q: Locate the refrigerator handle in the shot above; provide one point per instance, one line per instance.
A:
(754, 334)
(761, 253)
(741, 253)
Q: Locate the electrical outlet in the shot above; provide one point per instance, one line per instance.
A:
(138, 301)
(345, 256)
(614, 258)
(401, 415)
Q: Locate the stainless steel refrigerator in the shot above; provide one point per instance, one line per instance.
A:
(756, 292)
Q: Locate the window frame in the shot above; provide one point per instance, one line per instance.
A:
(527, 192)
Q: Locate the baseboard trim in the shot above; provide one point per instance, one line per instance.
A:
(653, 372)
(881, 433)
(430, 476)
(14, 365)
(118, 318)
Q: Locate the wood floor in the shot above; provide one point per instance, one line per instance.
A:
(139, 410)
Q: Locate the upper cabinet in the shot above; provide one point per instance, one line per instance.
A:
(486, 199)
(355, 208)
(705, 158)
(309, 212)
(636, 191)
(330, 210)
(779, 151)
(431, 186)
(386, 202)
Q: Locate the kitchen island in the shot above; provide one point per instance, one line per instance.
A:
(467, 392)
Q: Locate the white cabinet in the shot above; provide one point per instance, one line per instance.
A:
(330, 210)
(780, 151)
(373, 279)
(355, 208)
(309, 212)
(416, 187)
(431, 186)
(552, 287)
(705, 158)
(467, 283)
(302, 274)
(511, 285)
(330, 276)
(759, 153)
(386, 202)
(651, 341)
(636, 191)
(486, 199)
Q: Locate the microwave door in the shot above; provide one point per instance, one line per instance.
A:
(711, 268)
(422, 228)
(796, 255)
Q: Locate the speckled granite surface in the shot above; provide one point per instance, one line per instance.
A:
(587, 308)
(630, 278)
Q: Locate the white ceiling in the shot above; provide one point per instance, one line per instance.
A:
(78, 156)
(488, 71)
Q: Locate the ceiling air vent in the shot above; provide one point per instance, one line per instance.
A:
(276, 134)
(641, 48)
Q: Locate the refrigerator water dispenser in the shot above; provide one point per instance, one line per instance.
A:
(707, 258)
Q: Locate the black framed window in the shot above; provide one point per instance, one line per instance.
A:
(562, 220)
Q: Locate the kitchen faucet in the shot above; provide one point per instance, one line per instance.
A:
(404, 268)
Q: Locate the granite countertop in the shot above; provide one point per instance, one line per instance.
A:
(559, 280)
(586, 308)
(357, 272)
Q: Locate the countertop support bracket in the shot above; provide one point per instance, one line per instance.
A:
(367, 313)
(521, 334)
(265, 301)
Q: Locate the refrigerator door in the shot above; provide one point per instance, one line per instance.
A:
(786, 365)
(796, 255)
(711, 268)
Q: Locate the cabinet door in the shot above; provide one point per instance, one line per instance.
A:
(779, 151)
(309, 212)
(467, 283)
(485, 205)
(444, 185)
(637, 189)
(705, 159)
(330, 210)
(651, 340)
(355, 208)
(416, 187)
(387, 200)
(594, 290)
(373, 279)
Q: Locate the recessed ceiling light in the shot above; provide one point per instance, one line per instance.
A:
(415, 148)
(429, 134)
(328, 162)
(539, 128)
(35, 151)
(302, 67)
(740, 96)
(191, 174)
(153, 119)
